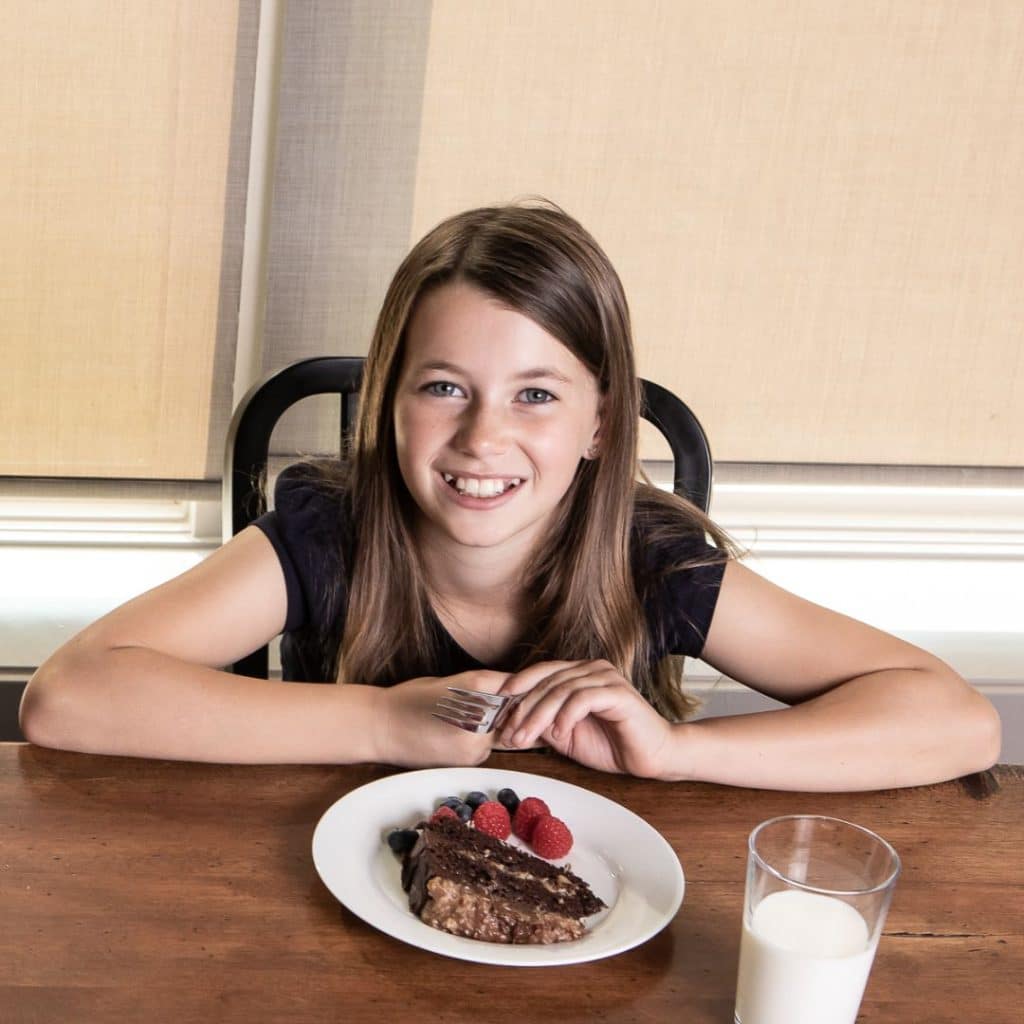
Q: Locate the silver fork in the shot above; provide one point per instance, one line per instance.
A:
(475, 711)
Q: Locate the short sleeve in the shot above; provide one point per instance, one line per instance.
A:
(308, 530)
(679, 585)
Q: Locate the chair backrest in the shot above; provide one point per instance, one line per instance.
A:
(248, 443)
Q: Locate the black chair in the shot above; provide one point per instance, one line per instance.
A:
(248, 443)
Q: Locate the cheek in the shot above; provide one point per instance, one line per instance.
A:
(569, 439)
(408, 423)
(417, 431)
(556, 452)
(406, 435)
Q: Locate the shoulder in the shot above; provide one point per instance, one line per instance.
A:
(669, 535)
(678, 560)
(311, 488)
(311, 532)
(313, 507)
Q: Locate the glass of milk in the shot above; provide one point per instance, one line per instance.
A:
(817, 894)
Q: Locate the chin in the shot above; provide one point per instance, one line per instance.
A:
(485, 535)
(480, 538)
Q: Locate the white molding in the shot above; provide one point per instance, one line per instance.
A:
(843, 518)
(903, 522)
(99, 522)
(944, 564)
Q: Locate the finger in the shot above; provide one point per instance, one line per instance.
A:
(541, 691)
(611, 702)
(602, 690)
(558, 673)
(545, 710)
(526, 679)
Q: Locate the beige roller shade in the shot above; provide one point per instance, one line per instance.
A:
(116, 121)
(348, 129)
(817, 209)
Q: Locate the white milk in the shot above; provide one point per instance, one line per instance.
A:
(804, 959)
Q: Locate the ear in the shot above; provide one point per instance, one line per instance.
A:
(594, 448)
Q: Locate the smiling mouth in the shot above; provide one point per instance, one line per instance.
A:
(474, 487)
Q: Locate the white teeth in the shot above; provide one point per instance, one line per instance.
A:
(476, 488)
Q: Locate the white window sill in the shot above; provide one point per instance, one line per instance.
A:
(941, 567)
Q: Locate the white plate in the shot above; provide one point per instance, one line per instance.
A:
(625, 861)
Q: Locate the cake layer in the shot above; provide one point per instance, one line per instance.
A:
(469, 883)
(462, 910)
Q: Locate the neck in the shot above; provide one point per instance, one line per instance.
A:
(476, 593)
(481, 577)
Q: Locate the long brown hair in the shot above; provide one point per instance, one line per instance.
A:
(582, 600)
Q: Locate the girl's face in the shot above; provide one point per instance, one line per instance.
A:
(492, 415)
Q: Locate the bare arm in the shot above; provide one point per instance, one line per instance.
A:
(869, 710)
(145, 681)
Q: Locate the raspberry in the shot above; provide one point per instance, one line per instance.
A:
(528, 811)
(492, 819)
(551, 838)
(444, 811)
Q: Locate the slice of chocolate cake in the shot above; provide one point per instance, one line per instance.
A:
(465, 882)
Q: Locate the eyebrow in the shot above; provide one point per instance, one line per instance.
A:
(534, 373)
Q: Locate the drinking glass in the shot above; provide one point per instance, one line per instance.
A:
(817, 893)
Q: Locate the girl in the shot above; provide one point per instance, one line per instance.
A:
(488, 531)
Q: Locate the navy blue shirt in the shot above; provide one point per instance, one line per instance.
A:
(312, 533)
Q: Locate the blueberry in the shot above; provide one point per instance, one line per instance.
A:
(508, 798)
(463, 810)
(401, 840)
(476, 798)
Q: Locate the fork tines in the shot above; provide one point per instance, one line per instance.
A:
(471, 710)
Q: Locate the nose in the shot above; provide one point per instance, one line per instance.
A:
(482, 430)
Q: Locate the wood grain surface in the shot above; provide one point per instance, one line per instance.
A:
(154, 891)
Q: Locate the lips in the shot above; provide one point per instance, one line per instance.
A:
(481, 487)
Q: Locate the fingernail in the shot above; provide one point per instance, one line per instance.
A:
(518, 738)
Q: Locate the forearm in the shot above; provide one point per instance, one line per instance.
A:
(138, 702)
(900, 727)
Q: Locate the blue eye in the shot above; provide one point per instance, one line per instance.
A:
(442, 389)
(536, 396)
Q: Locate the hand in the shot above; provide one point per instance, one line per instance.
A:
(410, 736)
(588, 711)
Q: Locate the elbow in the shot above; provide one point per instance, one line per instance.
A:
(50, 706)
(958, 728)
(36, 712)
(977, 735)
(987, 733)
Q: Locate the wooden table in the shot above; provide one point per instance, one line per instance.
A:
(154, 891)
